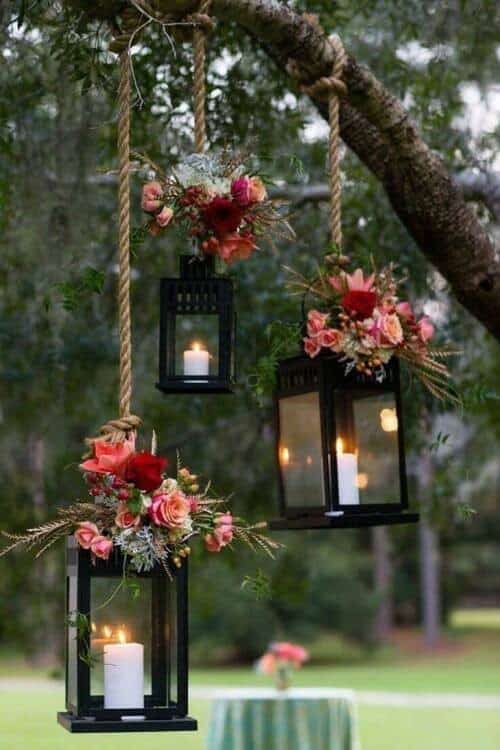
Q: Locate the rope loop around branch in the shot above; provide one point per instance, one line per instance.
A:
(325, 87)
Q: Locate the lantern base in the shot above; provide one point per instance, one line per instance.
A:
(82, 725)
(345, 521)
(184, 386)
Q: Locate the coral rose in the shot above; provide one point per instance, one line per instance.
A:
(240, 190)
(425, 329)
(390, 327)
(170, 510)
(236, 247)
(316, 321)
(258, 192)
(311, 346)
(126, 520)
(267, 664)
(110, 458)
(101, 547)
(165, 216)
(330, 338)
(86, 533)
(152, 193)
(145, 470)
(223, 215)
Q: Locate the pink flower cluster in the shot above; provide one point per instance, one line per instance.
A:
(222, 535)
(224, 224)
(370, 324)
(282, 653)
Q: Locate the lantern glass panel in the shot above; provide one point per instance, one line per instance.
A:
(197, 344)
(300, 450)
(367, 448)
(120, 619)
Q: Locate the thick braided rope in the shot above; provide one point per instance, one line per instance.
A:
(334, 87)
(203, 23)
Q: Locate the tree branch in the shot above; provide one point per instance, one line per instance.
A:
(477, 187)
(376, 126)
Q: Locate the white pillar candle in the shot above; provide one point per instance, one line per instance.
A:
(347, 473)
(124, 675)
(196, 361)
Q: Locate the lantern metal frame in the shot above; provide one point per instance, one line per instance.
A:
(198, 291)
(86, 714)
(300, 375)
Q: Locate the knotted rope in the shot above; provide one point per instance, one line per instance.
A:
(203, 24)
(334, 87)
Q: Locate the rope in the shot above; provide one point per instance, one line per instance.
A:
(203, 24)
(117, 430)
(333, 87)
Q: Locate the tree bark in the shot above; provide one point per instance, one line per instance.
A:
(383, 582)
(376, 126)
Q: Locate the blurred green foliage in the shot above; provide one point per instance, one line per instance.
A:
(58, 361)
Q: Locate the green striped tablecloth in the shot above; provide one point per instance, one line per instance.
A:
(296, 719)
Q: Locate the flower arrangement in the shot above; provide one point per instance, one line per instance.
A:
(136, 508)
(361, 318)
(222, 205)
(280, 660)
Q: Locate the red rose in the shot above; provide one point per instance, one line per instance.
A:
(222, 215)
(359, 302)
(145, 471)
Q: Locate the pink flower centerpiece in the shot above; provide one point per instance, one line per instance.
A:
(225, 208)
(280, 660)
(362, 320)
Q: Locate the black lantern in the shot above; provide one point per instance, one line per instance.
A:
(197, 330)
(126, 663)
(339, 446)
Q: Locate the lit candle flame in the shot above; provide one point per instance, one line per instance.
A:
(339, 446)
(93, 627)
(284, 456)
(106, 631)
(362, 480)
(197, 347)
(309, 461)
(389, 420)
(121, 636)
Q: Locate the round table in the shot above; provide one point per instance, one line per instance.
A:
(296, 719)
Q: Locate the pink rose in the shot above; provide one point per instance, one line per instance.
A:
(152, 193)
(212, 543)
(316, 321)
(330, 338)
(126, 520)
(224, 529)
(236, 246)
(165, 216)
(405, 311)
(240, 190)
(425, 329)
(170, 509)
(311, 347)
(258, 192)
(86, 533)
(110, 458)
(391, 329)
(101, 547)
(284, 651)
(194, 503)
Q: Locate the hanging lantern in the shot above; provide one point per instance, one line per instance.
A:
(126, 662)
(197, 330)
(339, 446)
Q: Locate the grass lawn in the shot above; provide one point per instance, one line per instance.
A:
(27, 722)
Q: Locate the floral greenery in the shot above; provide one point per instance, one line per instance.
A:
(147, 515)
(282, 338)
(223, 207)
(363, 321)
